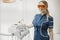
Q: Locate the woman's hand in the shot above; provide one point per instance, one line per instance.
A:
(29, 25)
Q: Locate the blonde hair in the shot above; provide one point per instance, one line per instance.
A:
(47, 11)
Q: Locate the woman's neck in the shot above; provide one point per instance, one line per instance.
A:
(42, 13)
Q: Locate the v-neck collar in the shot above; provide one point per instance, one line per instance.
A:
(43, 14)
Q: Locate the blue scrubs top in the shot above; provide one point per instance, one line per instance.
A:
(41, 25)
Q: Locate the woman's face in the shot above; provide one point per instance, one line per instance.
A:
(42, 7)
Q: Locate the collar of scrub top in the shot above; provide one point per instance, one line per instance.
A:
(44, 14)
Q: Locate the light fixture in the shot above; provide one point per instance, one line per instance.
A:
(9, 1)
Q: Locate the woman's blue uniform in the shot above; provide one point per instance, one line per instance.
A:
(41, 25)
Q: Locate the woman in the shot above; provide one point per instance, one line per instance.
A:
(42, 22)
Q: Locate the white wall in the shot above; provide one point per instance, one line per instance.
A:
(57, 16)
(26, 9)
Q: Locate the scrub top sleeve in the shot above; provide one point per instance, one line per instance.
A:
(35, 20)
(50, 22)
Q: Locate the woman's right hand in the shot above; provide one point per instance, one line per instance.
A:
(29, 25)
